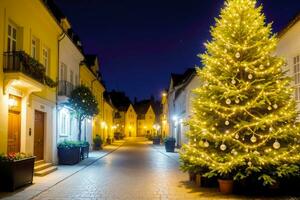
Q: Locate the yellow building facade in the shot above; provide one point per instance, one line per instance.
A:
(28, 62)
(90, 79)
(164, 115)
(130, 122)
(108, 121)
(145, 122)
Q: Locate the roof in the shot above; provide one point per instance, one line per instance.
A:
(187, 76)
(120, 100)
(107, 99)
(178, 79)
(59, 15)
(142, 107)
(289, 25)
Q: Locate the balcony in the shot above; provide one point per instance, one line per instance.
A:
(24, 73)
(65, 88)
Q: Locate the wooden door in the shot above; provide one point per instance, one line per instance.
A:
(39, 135)
(14, 131)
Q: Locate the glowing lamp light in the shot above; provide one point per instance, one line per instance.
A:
(12, 102)
(89, 120)
(175, 118)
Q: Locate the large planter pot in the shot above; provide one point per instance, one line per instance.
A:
(14, 174)
(156, 141)
(84, 151)
(225, 186)
(192, 176)
(68, 156)
(170, 146)
(198, 180)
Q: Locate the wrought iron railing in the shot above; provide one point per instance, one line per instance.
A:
(65, 88)
(19, 61)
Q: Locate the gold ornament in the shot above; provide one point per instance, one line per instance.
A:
(228, 101)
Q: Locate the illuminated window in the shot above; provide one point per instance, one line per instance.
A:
(64, 123)
(11, 38)
(297, 77)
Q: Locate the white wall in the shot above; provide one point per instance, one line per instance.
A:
(183, 109)
(289, 47)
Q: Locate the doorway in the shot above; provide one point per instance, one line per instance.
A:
(14, 124)
(14, 131)
(39, 128)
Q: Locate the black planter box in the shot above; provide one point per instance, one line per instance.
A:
(68, 156)
(84, 152)
(170, 146)
(156, 141)
(15, 174)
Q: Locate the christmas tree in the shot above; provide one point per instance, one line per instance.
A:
(244, 116)
(84, 105)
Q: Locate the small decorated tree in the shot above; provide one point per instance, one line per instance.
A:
(244, 121)
(84, 104)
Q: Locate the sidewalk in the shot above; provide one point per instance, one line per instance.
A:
(171, 155)
(41, 184)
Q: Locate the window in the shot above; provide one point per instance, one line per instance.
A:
(11, 38)
(45, 58)
(63, 72)
(71, 76)
(34, 48)
(64, 123)
(297, 77)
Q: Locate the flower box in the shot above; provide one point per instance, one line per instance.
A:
(68, 156)
(170, 144)
(156, 141)
(16, 173)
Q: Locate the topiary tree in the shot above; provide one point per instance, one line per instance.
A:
(84, 104)
(244, 122)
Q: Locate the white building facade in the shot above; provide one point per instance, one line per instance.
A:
(180, 104)
(70, 57)
(289, 48)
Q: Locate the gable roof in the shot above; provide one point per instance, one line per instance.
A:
(142, 107)
(186, 79)
(289, 25)
(120, 100)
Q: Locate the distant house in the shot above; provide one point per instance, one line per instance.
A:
(145, 118)
(179, 101)
(125, 116)
(289, 48)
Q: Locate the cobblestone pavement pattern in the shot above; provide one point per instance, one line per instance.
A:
(135, 171)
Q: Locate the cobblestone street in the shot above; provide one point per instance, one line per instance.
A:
(134, 171)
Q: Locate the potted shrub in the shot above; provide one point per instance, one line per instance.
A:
(119, 136)
(68, 152)
(84, 149)
(156, 139)
(16, 170)
(170, 144)
(97, 142)
(108, 140)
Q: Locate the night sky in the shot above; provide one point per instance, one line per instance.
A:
(141, 42)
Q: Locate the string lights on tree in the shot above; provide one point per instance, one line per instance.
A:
(245, 118)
